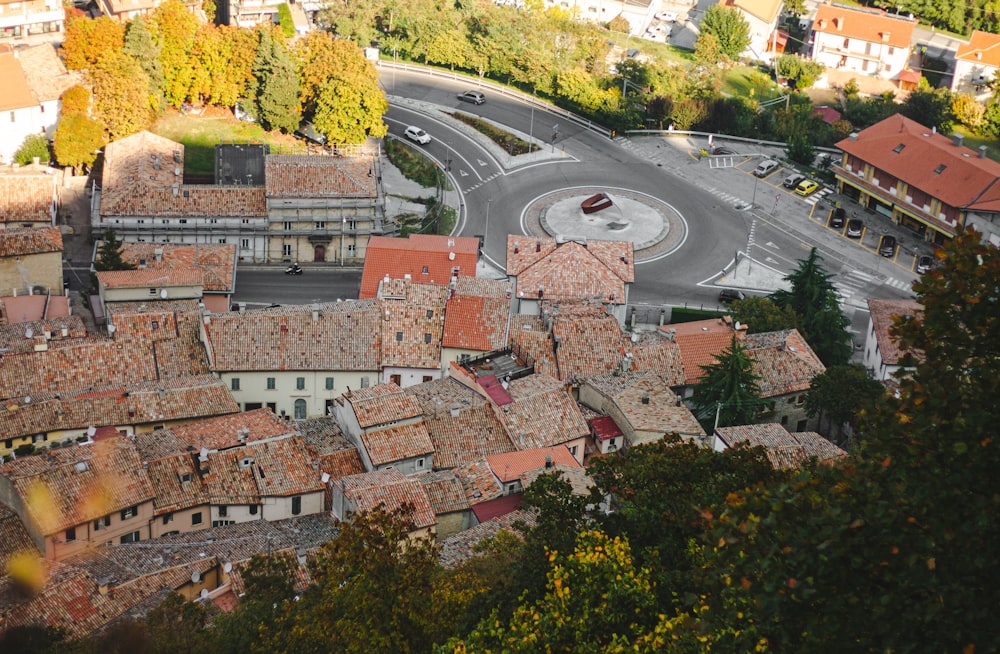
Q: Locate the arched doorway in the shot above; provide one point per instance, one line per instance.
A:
(319, 253)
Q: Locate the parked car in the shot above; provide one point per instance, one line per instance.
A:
(806, 187)
(838, 218)
(766, 167)
(793, 180)
(669, 16)
(418, 135)
(475, 97)
(855, 228)
(308, 132)
(924, 263)
(887, 248)
(728, 295)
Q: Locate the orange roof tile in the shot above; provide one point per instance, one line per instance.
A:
(869, 25)
(24, 242)
(303, 176)
(883, 314)
(381, 404)
(145, 278)
(389, 489)
(397, 443)
(982, 48)
(477, 314)
(16, 92)
(224, 431)
(511, 465)
(783, 362)
(570, 271)
(398, 257)
(27, 198)
(216, 262)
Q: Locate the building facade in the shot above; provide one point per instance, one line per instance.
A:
(864, 41)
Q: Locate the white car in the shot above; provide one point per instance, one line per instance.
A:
(669, 16)
(418, 135)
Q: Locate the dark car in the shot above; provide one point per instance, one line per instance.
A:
(475, 97)
(793, 180)
(728, 295)
(924, 263)
(855, 227)
(838, 218)
(887, 248)
(308, 132)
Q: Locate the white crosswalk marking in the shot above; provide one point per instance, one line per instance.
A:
(853, 286)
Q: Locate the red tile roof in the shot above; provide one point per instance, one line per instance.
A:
(477, 315)
(865, 24)
(510, 466)
(963, 180)
(216, 262)
(501, 506)
(24, 242)
(381, 404)
(146, 278)
(783, 362)
(16, 92)
(982, 48)
(27, 197)
(398, 257)
(397, 443)
(783, 449)
(226, 431)
(883, 314)
(389, 489)
(604, 428)
(303, 176)
(570, 271)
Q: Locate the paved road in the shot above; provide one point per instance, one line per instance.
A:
(264, 286)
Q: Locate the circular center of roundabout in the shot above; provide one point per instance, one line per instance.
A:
(608, 214)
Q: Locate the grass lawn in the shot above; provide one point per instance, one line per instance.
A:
(972, 141)
(200, 135)
(661, 51)
(748, 82)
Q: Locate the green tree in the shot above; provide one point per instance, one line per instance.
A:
(76, 100)
(794, 7)
(109, 254)
(967, 111)
(140, 46)
(931, 108)
(728, 389)
(176, 625)
(87, 40)
(619, 24)
(814, 299)
(708, 49)
(800, 150)
(841, 395)
(34, 145)
(77, 139)
(174, 28)
(121, 95)
(761, 315)
(276, 84)
(729, 27)
(268, 581)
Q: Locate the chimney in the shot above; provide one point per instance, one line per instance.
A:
(982, 151)
(538, 245)
(854, 136)
(315, 312)
(957, 139)
(645, 398)
(517, 247)
(158, 253)
(934, 129)
(454, 409)
(548, 462)
(541, 292)
(839, 22)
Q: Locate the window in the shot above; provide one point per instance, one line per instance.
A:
(245, 243)
(801, 426)
(152, 292)
(784, 420)
(572, 450)
(427, 378)
(130, 512)
(365, 382)
(424, 271)
(296, 505)
(329, 383)
(350, 249)
(235, 384)
(223, 511)
(196, 518)
(286, 250)
(155, 324)
(287, 225)
(420, 464)
(300, 383)
(352, 224)
(399, 337)
(253, 509)
(172, 533)
(223, 523)
(270, 383)
(222, 241)
(800, 400)
(130, 538)
(427, 338)
(430, 313)
(167, 519)
(300, 409)
(183, 221)
(612, 441)
(320, 224)
(12, 117)
(102, 523)
(71, 534)
(246, 221)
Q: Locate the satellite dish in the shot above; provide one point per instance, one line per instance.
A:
(227, 567)
(163, 293)
(195, 577)
(325, 478)
(204, 593)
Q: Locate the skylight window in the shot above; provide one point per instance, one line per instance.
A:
(899, 148)
(939, 169)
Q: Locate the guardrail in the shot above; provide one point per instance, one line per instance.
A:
(500, 90)
(715, 136)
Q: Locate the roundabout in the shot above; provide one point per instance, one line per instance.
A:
(654, 227)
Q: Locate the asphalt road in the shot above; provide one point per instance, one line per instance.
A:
(263, 287)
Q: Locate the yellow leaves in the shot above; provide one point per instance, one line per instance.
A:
(931, 563)
(761, 645)
(27, 570)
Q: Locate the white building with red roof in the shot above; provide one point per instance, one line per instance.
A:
(864, 41)
(883, 356)
(422, 258)
(976, 64)
(921, 179)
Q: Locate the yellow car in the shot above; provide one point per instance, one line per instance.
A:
(806, 187)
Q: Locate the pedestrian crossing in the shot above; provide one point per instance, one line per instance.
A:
(854, 287)
(817, 196)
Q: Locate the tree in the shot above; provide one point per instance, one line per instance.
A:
(841, 394)
(619, 24)
(77, 140)
(931, 108)
(34, 145)
(268, 586)
(729, 27)
(707, 49)
(76, 100)
(761, 315)
(799, 149)
(795, 7)
(276, 84)
(109, 254)
(88, 40)
(967, 111)
(728, 389)
(176, 625)
(121, 95)
(140, 46)
(174, 27)
(814, 300)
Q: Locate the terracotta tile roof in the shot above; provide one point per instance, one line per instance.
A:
(819, 447)
(477, 315)
(398, 257)
(135, 404)
(381, 404)
(283, 467)
(173, 493)
(510, 466)
(765, 10)
(397, 443)
(647, 403)
(301, 176)
(699, 343)
(571, 271)
(652, 352)
(67, 487)
(17, 94)
(217, 263)
(147, 278)
(928, 161)
(225, 431)
(478, 480)
(532, 341)
(784, 450)
(24, 242)
(883, 313)
(590, 341)
(783, 362)
(461, 547)
(983, 48)
(345, 336)
(27, 197)
(580, 482)
(530, 386)
(473, 433)
(14, 538)
(867, 25)
(45, 72)
(412, 326)
(389, 489)
(497, 507)
(139, 180)
(444, 491)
